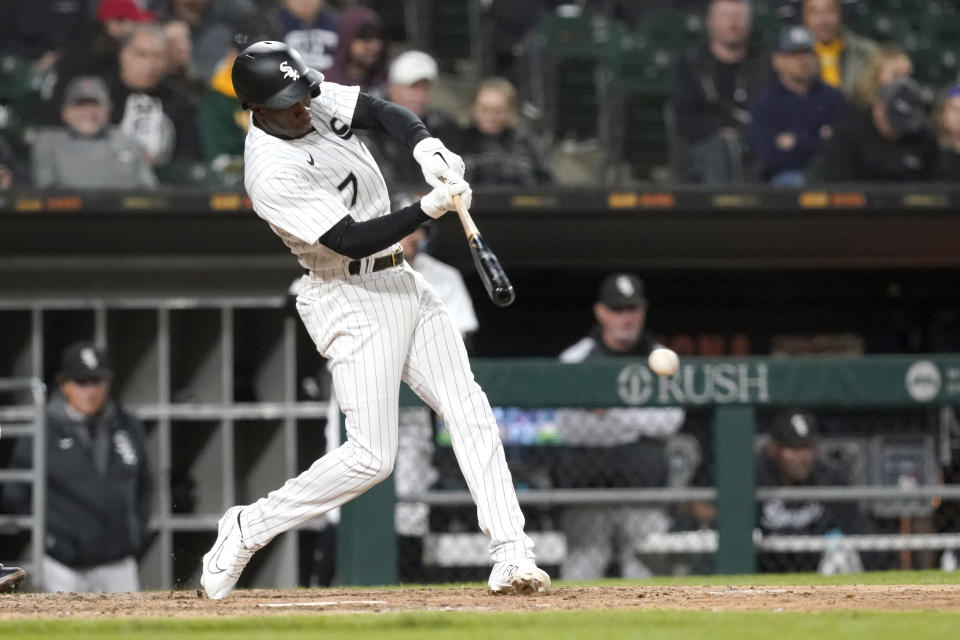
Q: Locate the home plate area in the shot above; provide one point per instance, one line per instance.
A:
(400, 599)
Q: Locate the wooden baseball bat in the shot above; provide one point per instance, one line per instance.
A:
(491, 272)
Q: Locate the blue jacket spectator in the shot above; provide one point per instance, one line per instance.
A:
(796, 113)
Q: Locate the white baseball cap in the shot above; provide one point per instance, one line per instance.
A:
(413, 66)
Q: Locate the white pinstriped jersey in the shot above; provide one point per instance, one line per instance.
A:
(303, 187)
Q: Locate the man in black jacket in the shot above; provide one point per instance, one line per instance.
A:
(790, 460)
(99, 486)
(618, 447)
(712, 90)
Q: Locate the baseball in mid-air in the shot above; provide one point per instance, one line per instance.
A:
(663, 361)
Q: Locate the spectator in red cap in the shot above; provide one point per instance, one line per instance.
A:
(93, 51)
(122, 10)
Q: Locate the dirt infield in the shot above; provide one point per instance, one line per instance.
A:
(187, 604)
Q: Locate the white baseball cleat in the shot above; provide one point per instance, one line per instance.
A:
(520, 576)
(224, 563)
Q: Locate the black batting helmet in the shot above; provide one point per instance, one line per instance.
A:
(270, 74)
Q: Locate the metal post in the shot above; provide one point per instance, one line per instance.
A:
(164, 453)
(39, 464)
(733, 432)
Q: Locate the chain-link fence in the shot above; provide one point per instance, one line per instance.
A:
(630, 492)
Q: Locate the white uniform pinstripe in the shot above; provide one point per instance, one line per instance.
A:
(376, 328)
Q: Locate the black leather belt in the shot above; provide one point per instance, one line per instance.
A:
(395, 259)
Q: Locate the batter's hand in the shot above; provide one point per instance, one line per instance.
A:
(440, 200)
(437, 162)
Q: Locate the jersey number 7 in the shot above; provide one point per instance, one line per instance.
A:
(347, 182)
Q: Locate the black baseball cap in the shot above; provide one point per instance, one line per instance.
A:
(622, 290)
(795, 39)
(84, 360)
(903, 104)
(794, 429)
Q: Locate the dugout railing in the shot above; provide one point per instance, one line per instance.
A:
(28, 422)
(734, 390)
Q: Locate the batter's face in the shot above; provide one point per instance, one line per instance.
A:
(822, 18)
(620, 327)
(86, 395)
(292, 122)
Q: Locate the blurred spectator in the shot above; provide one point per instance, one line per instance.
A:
(37, 30)
(842, 53)
(888, 142)
(361, 56)
(146, 105)
(713, 86)
(13, 172)
(410, 84)
(790, 460)
(89, 153)
(796, 113)
(887, 63)
(494, 150)
(309, 28)
(10, 578)
(445, 280)
(99, 486)
(93, 51)
(222, 122)
(505, 25)
(612, 448)
(180, 69)
(948, 127)
(211, 28)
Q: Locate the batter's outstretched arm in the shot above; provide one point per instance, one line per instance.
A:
(360, 239)
(381, 115)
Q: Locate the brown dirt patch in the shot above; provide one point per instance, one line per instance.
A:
(183, 604)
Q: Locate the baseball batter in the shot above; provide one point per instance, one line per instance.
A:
(367, 311)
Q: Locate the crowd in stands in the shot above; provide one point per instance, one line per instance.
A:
(137, 93)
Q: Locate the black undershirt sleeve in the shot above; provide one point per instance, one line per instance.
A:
(381, 115)
(361, 239)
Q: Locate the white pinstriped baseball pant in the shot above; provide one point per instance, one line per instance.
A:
(378, 329)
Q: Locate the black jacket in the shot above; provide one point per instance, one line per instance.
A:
(709, 95)
(510, 158)
(93, 517)
(641, 463)
(857, 152)
(592, 346)
(804, 517)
